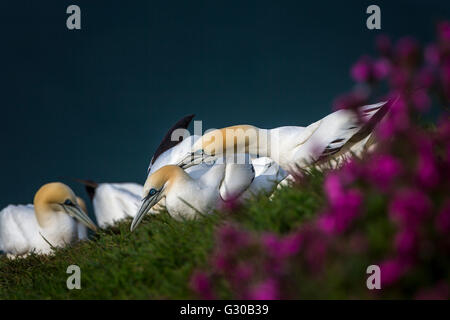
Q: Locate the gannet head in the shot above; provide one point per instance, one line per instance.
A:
(56, 197)
(155, 188)
(229, 140)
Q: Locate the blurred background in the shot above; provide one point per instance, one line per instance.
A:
(94, 103)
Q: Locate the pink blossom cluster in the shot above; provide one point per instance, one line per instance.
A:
(390, 208)
(411, 73)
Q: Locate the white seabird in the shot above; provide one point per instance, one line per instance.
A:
(171, 152)
(45, 225)
(186, 196)
(340, 133)
(113, 202)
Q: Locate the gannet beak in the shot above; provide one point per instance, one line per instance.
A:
(147, 204)
(76, 212)
(195, 158)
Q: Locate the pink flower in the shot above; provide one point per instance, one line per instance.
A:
(405, 241)
(399, 78)
(291, 244)
(333, 187)
(367, 70)
(425, 78)
(361, 71)
(432, 55)
(421, 100)
(397, 120)
(347, 208)
(315, 251)
(350, 171)
(391, 271)
(386, 129)
(445, 78)
(242, 273)
(271, 243)
(222, 262)
(383, 169)
(327, 223)
(427, 171)
(444, 129)
(381, 69)
(444, 31)
(202, 286)
(407, 51)
(266, 290)
(409, 207)
(344, 207)
(282, 247)
(231, 238)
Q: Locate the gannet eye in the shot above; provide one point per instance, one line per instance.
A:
(68, 202)
(152, 192)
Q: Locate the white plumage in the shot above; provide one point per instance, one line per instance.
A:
(267, 172)
(46, 224)
(186, 196)
(335, 135)
(114, 202)
(270, 153)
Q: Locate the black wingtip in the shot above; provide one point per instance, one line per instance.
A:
(166, 142)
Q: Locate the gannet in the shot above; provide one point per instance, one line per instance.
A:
(113, 202)
(171, 152)
(292, 147)
(43, 226)
(186, 196)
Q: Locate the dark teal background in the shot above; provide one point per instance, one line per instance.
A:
(95, 103)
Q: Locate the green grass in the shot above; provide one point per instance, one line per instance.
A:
(157, 260)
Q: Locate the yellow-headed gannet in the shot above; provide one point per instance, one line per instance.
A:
(292, 147)
(171, 152)
(186, 197)
(47, 224)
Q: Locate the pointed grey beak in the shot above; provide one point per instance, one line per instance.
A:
(147, 204)
(76, 212)
(195, 158)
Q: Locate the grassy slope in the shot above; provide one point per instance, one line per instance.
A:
(155, 261)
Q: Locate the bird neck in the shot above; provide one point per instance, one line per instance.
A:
(44, 214)
(177, 176)
(247, 139)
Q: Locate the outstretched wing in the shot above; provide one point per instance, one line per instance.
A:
(338, 132)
